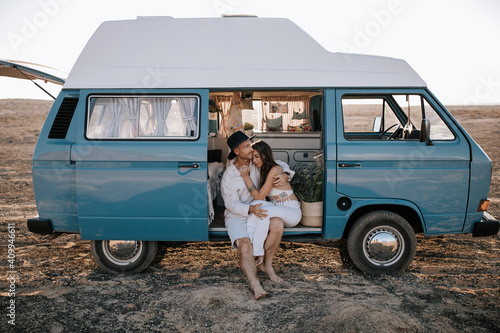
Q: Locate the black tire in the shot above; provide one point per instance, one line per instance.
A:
(370, 232)
(123, 256)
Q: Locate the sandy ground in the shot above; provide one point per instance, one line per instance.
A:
(451, 286)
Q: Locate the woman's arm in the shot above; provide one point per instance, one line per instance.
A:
(286, 176)
(266, 188)
(232, 201)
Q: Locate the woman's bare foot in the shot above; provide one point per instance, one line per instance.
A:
(258, 291)
(269, 270)
(259, 260)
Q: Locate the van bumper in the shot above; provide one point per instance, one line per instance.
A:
(488, 226)
(40, 226)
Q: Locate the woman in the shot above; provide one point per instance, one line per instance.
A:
(282, 202)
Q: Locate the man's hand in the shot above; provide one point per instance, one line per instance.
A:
(257, 211)
(280, 179)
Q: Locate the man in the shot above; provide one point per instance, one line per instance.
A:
(238, 199)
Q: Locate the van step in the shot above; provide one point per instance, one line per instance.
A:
(294, 229)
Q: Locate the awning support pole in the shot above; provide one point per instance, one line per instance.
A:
(20, 71)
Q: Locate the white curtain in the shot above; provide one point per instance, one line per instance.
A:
(116, 112)
(131, 106)
(161, 108)
(148, 124)
(188, 118)
(235, 118)
(224, 103)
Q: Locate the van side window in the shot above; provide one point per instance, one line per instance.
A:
(361, 113)
(143, 117)
(419, 108)
(390, 117)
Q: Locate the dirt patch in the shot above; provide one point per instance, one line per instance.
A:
(451, 286)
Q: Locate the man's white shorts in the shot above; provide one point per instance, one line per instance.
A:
(236, 226)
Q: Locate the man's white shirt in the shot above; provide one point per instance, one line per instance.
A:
(234, 191)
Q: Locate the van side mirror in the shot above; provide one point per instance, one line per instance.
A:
(377, 125)
(425, 132)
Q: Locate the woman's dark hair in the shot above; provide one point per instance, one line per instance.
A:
(266, 154)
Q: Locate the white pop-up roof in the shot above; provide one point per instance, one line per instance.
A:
(228, 52)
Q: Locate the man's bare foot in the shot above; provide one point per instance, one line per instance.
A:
(269, 270)
(259, 260)
(259, 292)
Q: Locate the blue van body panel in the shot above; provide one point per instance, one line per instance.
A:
(53, 182)
(143, 228)
(330, 195)
(152, 204)
(480, 174)
(140, 189)
(337, 224)
(64, 222)
(54, 175)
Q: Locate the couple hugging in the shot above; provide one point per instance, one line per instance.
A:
(255, 226)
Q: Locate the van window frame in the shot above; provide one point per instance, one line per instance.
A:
(147, 139)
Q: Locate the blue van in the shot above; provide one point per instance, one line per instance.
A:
(134, 146)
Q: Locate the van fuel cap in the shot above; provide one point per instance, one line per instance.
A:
(344, 203)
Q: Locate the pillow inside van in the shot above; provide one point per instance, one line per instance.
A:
(298, 115)
(275, 124)
(299, 128)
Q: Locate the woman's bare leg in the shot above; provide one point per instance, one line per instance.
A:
(271, 246)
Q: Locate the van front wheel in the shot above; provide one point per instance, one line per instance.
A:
(115, 256)
(381, 242)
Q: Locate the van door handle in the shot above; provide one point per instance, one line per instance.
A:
(349, 165)
(189, 165)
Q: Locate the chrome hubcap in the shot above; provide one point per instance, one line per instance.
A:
(383, 246)
(122, 252)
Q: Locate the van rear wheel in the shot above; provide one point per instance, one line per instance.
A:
(381, 242)
(116, 256)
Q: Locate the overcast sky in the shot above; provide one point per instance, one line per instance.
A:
(453, 44)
